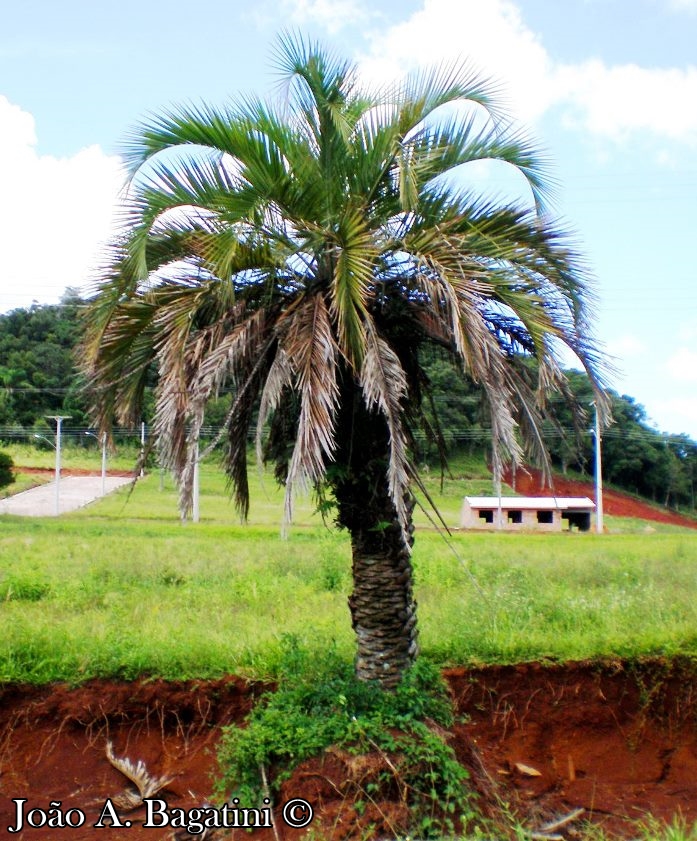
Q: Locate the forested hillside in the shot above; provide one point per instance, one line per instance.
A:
(38, 377)
(635, 456)
(37, 367)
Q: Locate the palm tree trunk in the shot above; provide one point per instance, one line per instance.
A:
(383, 610)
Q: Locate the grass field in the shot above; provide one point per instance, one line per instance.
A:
(122, 588)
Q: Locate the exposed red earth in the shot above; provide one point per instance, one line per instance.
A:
(529, 482)
(49, 472)
(618, 741)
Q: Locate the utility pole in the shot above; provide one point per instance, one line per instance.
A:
(103, 441)
(103, 463)
(142, 449)
(196, 513)
(598, 475)
(59, 420)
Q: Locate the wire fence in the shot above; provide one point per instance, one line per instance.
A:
(86, 436)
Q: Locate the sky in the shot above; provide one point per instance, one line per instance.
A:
(607, 87)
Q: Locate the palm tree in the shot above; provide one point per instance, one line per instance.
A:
(306, 255)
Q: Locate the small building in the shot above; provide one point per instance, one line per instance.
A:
(527, 513)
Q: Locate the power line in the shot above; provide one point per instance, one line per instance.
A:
(479, 433)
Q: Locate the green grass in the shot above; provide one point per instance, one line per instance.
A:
(22, 482)
(86, 456)
(122, 588)
(648, 830)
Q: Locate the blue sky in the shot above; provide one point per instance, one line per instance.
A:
(609, 87)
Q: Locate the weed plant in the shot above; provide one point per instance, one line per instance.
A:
(319, 704)
(649, 829)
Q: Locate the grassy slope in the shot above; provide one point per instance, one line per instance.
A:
(123, 588)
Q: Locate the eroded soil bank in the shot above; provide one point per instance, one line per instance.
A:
(530, 482)
(618, 740)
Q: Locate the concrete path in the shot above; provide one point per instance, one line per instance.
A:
(75, 492)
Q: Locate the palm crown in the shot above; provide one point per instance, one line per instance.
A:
(305, 254)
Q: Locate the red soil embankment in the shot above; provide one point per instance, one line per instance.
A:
(49, 472)
(529, 482)
(617, 740)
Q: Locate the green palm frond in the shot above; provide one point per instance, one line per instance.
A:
(118, 365)
(354, 258)
(438, 150)
(320, 85)
(186, 126)
(423, 92)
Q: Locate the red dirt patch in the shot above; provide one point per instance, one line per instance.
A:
(619, 741)
(529, 482)
(49, 472)
(53, 740)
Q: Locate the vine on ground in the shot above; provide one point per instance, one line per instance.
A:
(320, 705)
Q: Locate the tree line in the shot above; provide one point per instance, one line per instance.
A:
(39, 377)
(635, 456)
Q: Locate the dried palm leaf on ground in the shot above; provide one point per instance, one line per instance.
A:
(548, 832)
(138, 774)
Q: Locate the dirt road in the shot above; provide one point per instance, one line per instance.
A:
(74, 492)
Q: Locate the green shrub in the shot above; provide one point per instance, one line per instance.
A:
(24, 588)
(7, 475)
(318, 705)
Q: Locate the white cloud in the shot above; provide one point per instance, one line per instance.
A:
(682, 366)
(20, 135)
(613, 101)
(333, 15)
(610, 101)
(625, 346)
(54, 214)
(616, 101)
(683, 5)
(491, 35)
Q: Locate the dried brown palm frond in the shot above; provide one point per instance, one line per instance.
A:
(384, 387)
(280, 377)
(312, 351)
(190, 373)
(146, 785)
